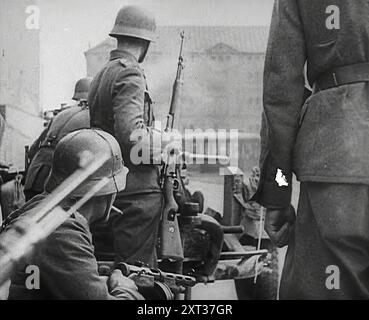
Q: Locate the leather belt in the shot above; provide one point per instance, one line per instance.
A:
(349, 74)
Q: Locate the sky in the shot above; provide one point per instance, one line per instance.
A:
(70, 27)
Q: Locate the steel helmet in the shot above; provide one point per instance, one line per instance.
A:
(136, 22)
(70, 119)
(68, 155)
(81, 89)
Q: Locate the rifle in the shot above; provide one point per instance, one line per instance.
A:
(171, 244)
(21, 232)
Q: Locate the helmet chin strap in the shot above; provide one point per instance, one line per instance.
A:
(144, 53)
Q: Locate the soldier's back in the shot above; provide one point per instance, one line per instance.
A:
(103, 88)
(117, 100)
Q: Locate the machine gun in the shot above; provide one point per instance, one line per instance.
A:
(153, 284)
(20, 233)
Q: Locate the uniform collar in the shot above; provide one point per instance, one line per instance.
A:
(120, 54)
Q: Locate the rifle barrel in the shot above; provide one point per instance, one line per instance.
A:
(177, 89)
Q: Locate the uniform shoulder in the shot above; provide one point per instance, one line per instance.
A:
(77, 222)
(130, 71)
(75, 228)
(128, 62)
(130, 68)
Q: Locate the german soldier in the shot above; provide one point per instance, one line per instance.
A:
(325, 143)
(67, 266)
(120, 104)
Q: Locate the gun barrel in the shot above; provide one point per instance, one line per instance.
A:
(177, 89)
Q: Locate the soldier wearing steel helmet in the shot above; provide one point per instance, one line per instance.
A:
(41, 153)
(120, 104)
(81, 90)
(67, 265)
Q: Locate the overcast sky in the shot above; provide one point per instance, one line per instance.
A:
(70, 27)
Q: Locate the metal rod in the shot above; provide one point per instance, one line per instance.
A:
(228, 255)
(261, 227)
(233, 229)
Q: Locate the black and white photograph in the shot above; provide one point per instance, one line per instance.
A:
(200, 152)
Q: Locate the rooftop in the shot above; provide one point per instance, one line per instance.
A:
(242, 39)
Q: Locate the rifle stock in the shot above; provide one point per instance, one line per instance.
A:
(171, 244)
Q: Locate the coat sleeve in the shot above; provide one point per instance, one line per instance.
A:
(69, 268)
(128, 108)
(283, 98)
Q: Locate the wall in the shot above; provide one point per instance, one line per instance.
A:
(19, 80)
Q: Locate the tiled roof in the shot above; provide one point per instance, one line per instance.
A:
(246, 39)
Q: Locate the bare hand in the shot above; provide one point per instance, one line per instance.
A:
(117, 279)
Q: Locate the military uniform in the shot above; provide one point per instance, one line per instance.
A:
(120, 104)
(68, 267)
(324, 141)
(41, 152)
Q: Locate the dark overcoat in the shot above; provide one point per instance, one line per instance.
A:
(325, 139)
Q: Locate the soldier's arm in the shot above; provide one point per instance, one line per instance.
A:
(283, 98)
(69, 268)
(128, 107)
